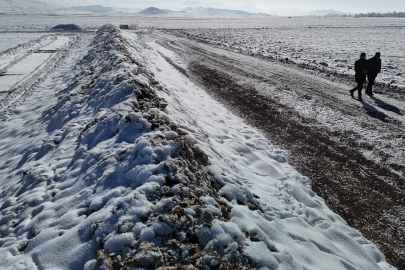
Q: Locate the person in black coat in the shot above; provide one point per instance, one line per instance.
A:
(374, 67)
(360, 67)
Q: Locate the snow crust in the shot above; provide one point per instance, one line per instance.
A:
(86, 159)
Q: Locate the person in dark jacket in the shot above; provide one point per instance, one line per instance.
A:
(360, 67)
(374, 67)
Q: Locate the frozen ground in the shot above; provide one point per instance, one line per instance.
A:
(288, 85)
(339, 142)
(14, 54)
(116, 159)
(239, 152)
(11, 40)
(42, 22)
(30, 23)
(16, 73)
(329, 44)
(331, 48)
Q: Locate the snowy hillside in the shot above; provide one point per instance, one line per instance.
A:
(118, 161)
(325, 12)
(95, 8)
(153, 11)
(26, 6)
(208, 11)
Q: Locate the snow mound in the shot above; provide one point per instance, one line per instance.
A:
(67, 27)
(129, 189)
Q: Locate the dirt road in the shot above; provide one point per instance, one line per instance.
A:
(352, 151)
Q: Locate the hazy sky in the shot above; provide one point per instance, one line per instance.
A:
(354, 6)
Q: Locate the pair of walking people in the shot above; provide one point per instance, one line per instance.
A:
(366, 68)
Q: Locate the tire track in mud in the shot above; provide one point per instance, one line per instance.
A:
(373, 119)
(303, 85)
(367, 194)
(263, 69)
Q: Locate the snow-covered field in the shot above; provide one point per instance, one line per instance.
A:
(332, 44)
(13, 54)
(11, 40)
(96, 171)
(333, 48)
(32, 62)
(43, 22)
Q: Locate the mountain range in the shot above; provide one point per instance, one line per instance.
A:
(250, 8)
(218, 12)
(191, 7)
(203, 11)
(154, 11)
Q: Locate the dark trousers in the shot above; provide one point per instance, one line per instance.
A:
(371, 80)
(359, 86)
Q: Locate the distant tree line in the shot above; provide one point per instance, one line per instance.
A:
(379, 14)
(337, 15)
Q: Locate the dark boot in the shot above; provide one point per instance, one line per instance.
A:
(360, 99)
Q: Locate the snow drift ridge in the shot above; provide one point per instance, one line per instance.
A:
(134, 191)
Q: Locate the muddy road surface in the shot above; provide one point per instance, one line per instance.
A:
(352, 151)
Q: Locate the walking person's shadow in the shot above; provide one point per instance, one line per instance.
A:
(386, 106)
(373, 112)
